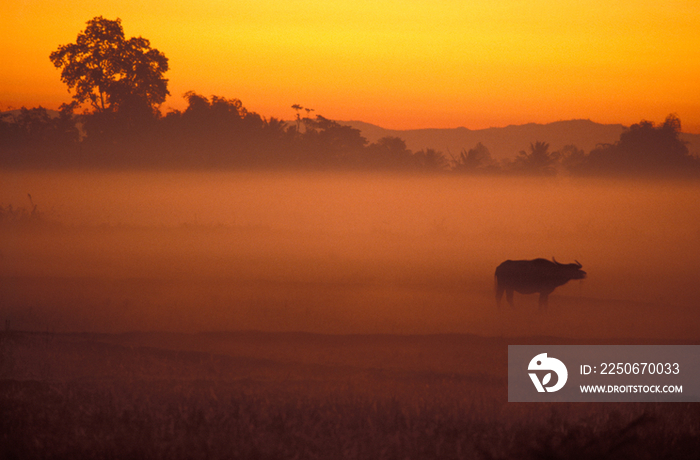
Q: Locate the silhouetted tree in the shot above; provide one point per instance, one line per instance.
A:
(7, 131)
(325, 142)
(389, 152)
(297, 108)
(33, 136)
(430, 160)
(476, 160)
(643, 149)
(538, 161)
(275, 127)
(111, 72)
(274, 142)
(216, 131)
(572, 157)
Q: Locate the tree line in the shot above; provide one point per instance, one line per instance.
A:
(121, 82)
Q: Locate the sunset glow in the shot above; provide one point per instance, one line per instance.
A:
(193, 263)
(402, 65)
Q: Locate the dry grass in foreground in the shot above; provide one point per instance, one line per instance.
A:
(73, 396)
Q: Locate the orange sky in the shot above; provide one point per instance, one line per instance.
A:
(398, 64)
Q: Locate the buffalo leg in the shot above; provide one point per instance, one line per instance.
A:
(509, 297)
(544, 296)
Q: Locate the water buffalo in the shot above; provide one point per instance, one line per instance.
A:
(530, 276)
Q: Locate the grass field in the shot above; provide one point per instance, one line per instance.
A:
(403, 352)
(295, 395)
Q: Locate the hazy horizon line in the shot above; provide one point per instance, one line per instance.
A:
(388, 127)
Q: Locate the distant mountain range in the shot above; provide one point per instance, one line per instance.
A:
(508, 141)
(504, 142)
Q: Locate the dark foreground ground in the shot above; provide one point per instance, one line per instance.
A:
(260, 395)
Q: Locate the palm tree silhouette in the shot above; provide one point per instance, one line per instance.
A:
(538, 161)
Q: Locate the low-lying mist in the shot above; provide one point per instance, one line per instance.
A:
(345, 253)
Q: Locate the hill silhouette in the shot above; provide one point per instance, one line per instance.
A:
(218, 132)
(505, 142)
(502, 142)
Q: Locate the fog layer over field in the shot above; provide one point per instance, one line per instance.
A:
(345, 253)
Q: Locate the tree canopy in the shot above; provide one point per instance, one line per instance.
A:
(538, 161)
(111, 72)
(123, 81)
(643, 149)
